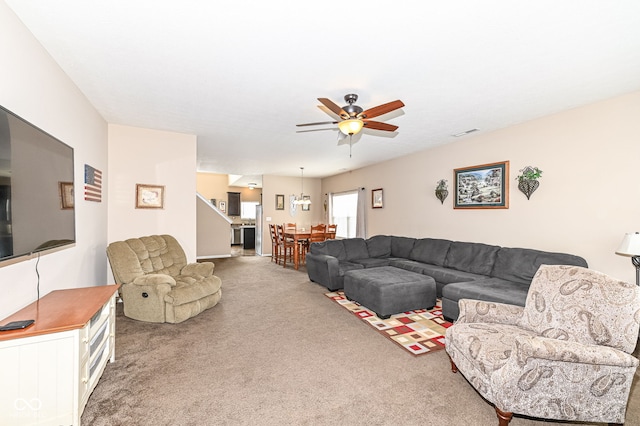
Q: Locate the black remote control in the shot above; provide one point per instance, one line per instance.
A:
(16, 325)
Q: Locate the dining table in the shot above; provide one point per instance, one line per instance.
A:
(297, 235)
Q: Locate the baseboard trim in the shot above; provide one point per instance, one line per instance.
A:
(213, 256)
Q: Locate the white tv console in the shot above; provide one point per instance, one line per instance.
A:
(49, 369)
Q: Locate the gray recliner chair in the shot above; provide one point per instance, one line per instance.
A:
(157, 284)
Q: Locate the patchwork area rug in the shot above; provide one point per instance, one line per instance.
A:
(418, 332)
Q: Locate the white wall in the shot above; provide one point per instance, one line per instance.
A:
(213, 231)
(35, 88)
(152, 157)
(587, 200)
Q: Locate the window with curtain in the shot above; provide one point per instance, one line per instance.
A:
(344, 211)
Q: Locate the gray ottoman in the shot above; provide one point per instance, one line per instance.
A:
(388, 290)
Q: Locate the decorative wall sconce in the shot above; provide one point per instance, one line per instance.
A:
(528, 180)
(441, 190)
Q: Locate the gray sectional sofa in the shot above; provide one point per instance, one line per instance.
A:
(461, 270)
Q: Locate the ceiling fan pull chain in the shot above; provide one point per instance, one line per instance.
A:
(350, 136)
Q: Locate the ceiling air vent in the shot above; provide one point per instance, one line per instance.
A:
(466, 132)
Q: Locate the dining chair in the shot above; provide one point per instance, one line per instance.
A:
(286, 245)
(275, 247)
(302, 242)
(318, 234)
(331, 231)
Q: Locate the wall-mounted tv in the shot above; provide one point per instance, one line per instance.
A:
(36, 190)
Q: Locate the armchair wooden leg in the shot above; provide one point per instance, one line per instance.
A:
(454, 367)
(504, 417)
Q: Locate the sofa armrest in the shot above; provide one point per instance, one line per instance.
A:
(154, 279)
(200, 269)
(584, 382)
(571, 352)
(322, 269)
(472, 310)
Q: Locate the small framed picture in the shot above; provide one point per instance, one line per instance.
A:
(222, 205)
(279, 201)
(149, 196)
(66, 195)
(376, 198)
(307, 206)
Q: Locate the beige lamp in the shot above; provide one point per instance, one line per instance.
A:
(351, 127)
(630, 246)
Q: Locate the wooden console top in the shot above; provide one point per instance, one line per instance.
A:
(60, 310)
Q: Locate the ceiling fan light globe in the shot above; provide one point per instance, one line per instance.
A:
(351, 127)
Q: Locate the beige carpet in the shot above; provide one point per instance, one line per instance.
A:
(276, 351)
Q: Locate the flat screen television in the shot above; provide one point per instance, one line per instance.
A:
(36, 190)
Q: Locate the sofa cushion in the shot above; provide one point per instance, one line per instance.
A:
(355, 248)
(430, 250)
(345, 266)
(372, 262)
(488, 289)
(520, 265)
(401, 246)
(379, 246)
(476, 258)
(189, 289)
(439, 273)
(333, 248)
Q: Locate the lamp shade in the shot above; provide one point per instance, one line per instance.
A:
(350, 127)
(630, 245)
(302, 201)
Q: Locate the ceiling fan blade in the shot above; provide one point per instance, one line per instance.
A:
(317, 124)
(381, 109)
(378, 125)
(333, 107)
(330, 113)
(315, 130)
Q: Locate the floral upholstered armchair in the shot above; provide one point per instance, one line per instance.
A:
(565, 355)
(158, 285)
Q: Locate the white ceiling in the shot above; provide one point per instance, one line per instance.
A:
(240, 75)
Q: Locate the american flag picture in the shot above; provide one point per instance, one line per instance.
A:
(92, 184)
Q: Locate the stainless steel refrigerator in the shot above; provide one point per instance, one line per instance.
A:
(259, 230)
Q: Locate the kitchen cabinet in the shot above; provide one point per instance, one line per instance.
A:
(233, 204)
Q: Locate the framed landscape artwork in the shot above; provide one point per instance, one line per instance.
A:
(279, 201)
(482, 187)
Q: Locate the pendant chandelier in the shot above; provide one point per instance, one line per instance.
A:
(302, 200)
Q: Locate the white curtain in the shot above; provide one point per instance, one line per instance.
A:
(329, 208)
(361, 214)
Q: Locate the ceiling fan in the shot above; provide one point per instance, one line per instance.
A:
(353, 118)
